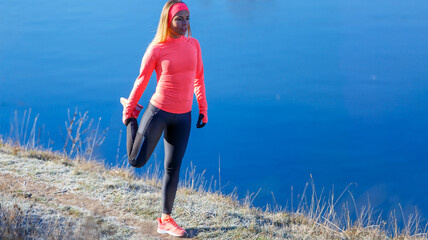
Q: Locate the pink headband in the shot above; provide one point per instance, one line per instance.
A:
(175, 9)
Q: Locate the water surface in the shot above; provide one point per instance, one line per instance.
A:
(335, 89)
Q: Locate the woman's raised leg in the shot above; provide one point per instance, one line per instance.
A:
(142, 140)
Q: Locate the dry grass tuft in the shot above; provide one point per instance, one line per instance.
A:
(124, 173)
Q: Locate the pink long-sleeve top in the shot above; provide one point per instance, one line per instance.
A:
(179, 72)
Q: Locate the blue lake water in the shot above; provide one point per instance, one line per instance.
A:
(336, 89)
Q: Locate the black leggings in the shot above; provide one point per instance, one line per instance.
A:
(142, 140)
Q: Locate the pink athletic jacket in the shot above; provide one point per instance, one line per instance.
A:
(179, 72)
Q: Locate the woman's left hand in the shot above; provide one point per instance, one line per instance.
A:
(200, 123)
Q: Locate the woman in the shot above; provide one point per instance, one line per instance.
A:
(177, 60)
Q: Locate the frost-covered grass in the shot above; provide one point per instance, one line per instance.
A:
(205, 214)
(26, 218)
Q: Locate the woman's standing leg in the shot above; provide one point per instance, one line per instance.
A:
(176, 137)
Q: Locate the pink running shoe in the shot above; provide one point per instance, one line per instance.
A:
(137, 109)
(169, 226)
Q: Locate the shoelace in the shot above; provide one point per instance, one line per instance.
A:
(170, 220)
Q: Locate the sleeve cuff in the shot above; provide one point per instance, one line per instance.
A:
(205, 113)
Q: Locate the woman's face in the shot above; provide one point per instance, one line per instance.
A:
(179, 24)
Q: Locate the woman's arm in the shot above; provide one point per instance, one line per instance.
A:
(200, 85)
(148, 64)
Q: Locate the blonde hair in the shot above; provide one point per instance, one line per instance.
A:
(162, 32)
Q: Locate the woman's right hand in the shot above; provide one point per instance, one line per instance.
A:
(126, 119)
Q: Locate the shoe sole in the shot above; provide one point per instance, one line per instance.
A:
(170, 233)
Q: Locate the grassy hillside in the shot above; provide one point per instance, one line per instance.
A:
(47, 195)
